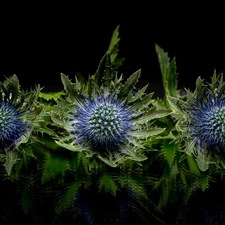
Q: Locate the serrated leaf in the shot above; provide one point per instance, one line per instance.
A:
(134, 155)
(152, 114)
(169, 152)
(174, 105)
(27, 151)
(202, 160)
(130, 83)
(143, 102)
(70, 146)
(148, 133)
(103, 70)
(113, 46)
(58, 120)
(51, 95)
(168, 72)
(139, 94)
(14, 87)
(192, 165)
(199, 85)
(70, 88)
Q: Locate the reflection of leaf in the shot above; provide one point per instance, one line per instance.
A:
(25, 201)
(66, 200)
(107, 183)
(54, 166)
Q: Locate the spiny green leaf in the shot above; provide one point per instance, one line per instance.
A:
(152, 114)
(103, 70)
(129, 85)
(51, 95)
(14, 87)
(27, 150)
(139, 105)
(175, 105)
(169, 152)
(70, 88)
(70, 146)
(147, 133)
(192, 165)
(113, 49)
(199, 85)
(113, 46)
(168, 72)
(139, 94)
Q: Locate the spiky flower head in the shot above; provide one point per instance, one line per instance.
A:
(102, 123)
(18, 112)
(104, 117)
(202, 122)
(12, 127)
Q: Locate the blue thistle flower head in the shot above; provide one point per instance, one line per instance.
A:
(105, 117)
(12, 127)
(19, 113)
(103, 123)
(202, 121)
(207, 123)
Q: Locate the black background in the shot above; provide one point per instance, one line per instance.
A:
(39, 41)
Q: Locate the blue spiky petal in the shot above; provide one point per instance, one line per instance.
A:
(102, 123)
(12, 128)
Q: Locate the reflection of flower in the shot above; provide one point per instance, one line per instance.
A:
(12, 128)
(103, 123)
(99, 207)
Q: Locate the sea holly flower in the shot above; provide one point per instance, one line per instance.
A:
(104, 117)
(102, 123)
(12, 127)
(18, 113)
(201, 121)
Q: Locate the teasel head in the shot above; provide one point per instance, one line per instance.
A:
(201, 121)
(105, 118)
(18, 118)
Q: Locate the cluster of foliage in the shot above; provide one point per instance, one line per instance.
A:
(102, 151)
